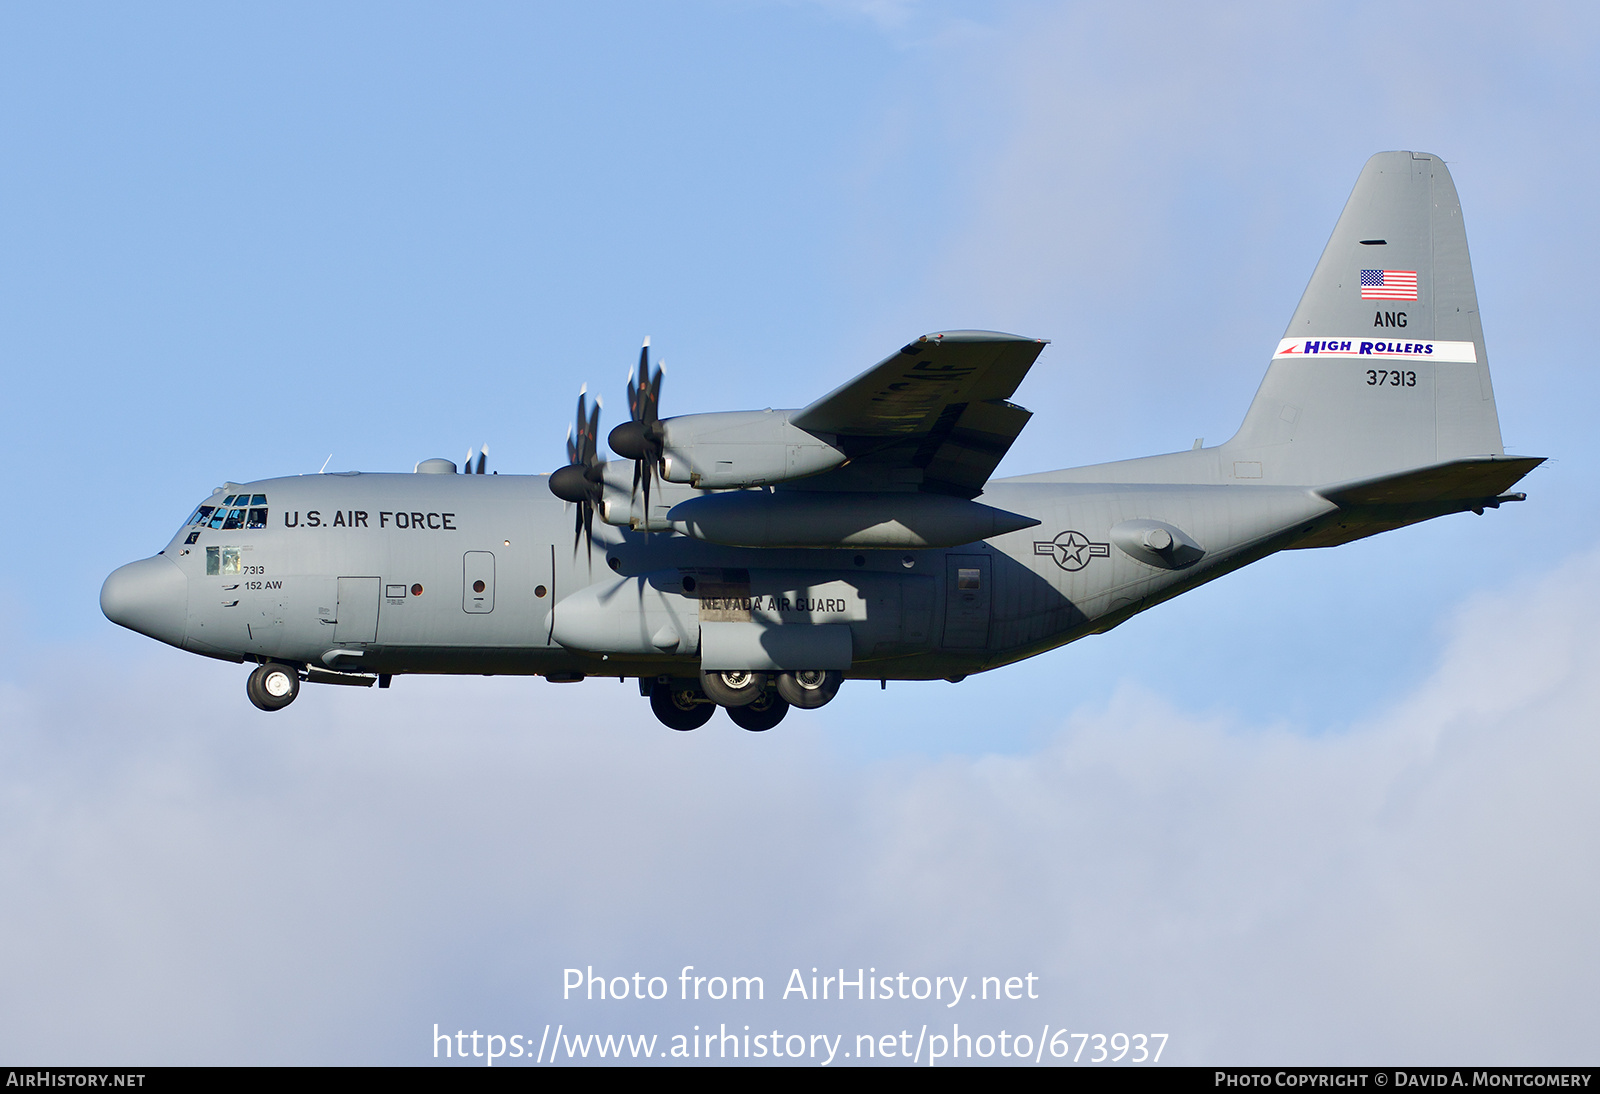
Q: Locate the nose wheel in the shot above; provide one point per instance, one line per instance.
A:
(273, 686)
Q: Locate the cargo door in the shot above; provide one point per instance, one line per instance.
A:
(966, 602)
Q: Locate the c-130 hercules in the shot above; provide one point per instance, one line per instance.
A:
(753, 560)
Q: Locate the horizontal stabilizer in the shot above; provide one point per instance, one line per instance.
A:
(1394, 501)
(1460, 480)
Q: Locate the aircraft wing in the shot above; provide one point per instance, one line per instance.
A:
(933, 417)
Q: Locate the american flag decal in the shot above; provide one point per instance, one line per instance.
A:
(1388, 284)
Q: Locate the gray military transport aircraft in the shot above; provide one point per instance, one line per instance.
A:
(753, 560)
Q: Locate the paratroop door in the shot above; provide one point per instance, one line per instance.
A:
(966, 602)
(358, 610)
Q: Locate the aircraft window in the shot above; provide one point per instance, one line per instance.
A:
(258, 519)
(202, 514)
(228, 500)
(968, 579)
(257, 499)
(218, 517)
(222, 561)
(235, 520)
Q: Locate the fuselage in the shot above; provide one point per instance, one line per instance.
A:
(780, 551)
(483, 574)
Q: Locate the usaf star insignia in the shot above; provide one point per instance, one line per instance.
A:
(1072, 550)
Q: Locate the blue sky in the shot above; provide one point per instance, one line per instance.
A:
(234, 241)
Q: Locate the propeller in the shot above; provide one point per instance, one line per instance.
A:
(483, 460)
(580, 482)
(642, 438)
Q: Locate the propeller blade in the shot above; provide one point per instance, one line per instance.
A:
(582, 480)
(655, 390)
(641, 438)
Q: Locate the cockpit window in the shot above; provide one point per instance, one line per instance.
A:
(232, 513)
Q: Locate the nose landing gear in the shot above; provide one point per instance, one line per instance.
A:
(273, 686)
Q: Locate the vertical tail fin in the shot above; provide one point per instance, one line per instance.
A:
(1383, 367)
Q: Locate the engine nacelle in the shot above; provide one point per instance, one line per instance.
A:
(742, 448)
(802, 518)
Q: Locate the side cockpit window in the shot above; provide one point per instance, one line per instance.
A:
(222, 561)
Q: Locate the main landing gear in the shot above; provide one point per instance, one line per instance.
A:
(679, 704)
(761, 715)
(756, 701)
(273, 686)
(809, 689)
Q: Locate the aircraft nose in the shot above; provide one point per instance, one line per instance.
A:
(150, 596)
